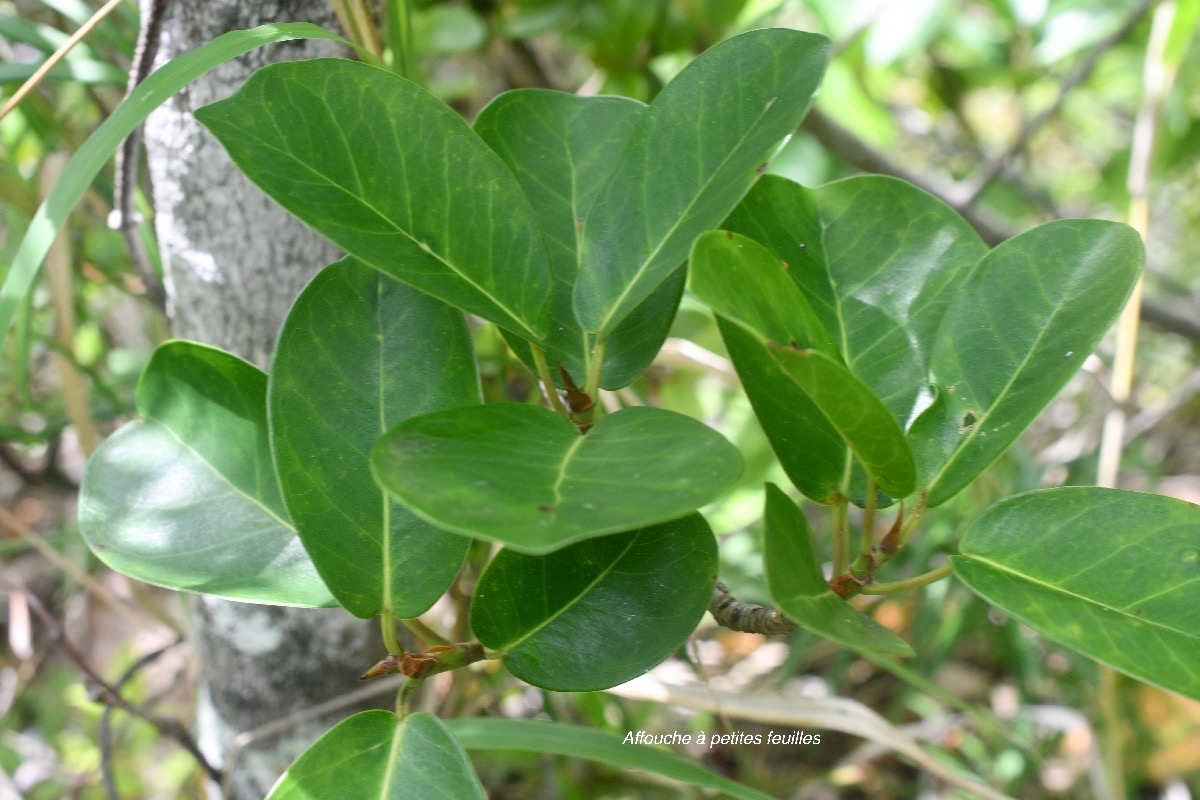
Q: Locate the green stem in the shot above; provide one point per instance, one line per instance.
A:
(913, 521)
(543, 369)
(868, 523)
(841, 534)
(426, 634)
(595, 367)
(399, 34)
(387, 625)
(404, 697)
(916, 582)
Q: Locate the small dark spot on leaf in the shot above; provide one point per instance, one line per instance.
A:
(547, 509)
(762, 168)
(728, 234)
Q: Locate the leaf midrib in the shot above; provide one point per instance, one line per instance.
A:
(645, 265)
(1082, 598)
(396, 227)
(604, 573)
(257, 501)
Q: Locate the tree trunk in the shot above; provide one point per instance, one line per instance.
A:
(234, 261)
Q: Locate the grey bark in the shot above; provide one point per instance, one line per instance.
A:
(234, 261)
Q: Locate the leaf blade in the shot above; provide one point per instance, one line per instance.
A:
(536, 485)
(1018, 330)
(330, 140)
(759, 84)
(797, 586)
(492, 733)
(615, 607)
(377, 754)
(1107, 572)
(358, 353)
(186, 498)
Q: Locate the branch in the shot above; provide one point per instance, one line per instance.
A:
(111, 696)
(990, 171)
(729, 612)
(844, 145)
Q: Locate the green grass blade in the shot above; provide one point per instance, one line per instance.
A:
(101, 145)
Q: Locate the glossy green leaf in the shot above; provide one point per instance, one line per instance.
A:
(1021, 324)
(1110, 573)
(394, 176)
(379, 755)
(358, 353)
(561, 147)
(744, 283)
(861, 418)
(879, 260)
(496, 733)
(808, 447)
(799, 589)
(186, 498)
(600, 612)
(96, 152)
(523, 476)
(692, 156)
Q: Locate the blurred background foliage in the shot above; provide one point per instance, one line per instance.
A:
(1014, 111)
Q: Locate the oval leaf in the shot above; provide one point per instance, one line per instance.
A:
(600, 612)
(358, 353)
(704, 140)
(743, 281)
(494, 733)
(861, 418)
(880, 262)
(797, 586)
(1021, 325)
(186, 498)
(1110, 573)
(523, 476)
(808, 447)
(561, 148)
(378, 755)
(332, 141)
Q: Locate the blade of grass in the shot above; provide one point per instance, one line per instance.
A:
(101, 145)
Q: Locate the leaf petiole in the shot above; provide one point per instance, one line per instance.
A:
(915, 582)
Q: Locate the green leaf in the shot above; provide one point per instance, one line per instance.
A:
(186, 498)
(358, 353)
(445, 30)
(747, 285)
(879, 260)
(523, 476)
(600, 612)
(82, 70)
(743, 281)
(861, 418)
(385, 170)
(808, 447)
(692, 156)
(799, 589)
(1110, 573)
(1021, 325)
(379, 755)
(561, 147)
(494, 733)
(95, 153)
